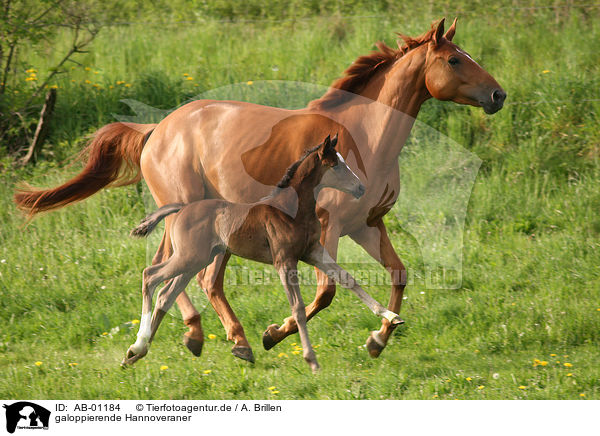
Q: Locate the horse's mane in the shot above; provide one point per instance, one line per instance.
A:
(364, 68)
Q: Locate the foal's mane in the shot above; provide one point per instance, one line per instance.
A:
(364, 68)
(289, 173)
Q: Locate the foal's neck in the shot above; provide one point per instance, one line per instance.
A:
(302, 191)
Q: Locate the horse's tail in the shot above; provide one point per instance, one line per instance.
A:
(149, 223)
(113, 159)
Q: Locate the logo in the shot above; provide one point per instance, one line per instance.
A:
(26, 415)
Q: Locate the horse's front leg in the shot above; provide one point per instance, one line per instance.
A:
(288, 272)
(211, 281)
(324, 296)
(376, 242)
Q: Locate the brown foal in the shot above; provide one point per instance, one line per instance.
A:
(281, 230)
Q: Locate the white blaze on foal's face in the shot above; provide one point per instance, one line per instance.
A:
(342, 178)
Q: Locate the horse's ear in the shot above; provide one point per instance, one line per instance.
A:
(451, 31)
(439, 32)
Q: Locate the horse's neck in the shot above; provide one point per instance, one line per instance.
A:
(388, 106)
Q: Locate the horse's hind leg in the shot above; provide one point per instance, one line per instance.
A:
(211, 281)
(193, 339)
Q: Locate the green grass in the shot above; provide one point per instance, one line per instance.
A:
(531, 281)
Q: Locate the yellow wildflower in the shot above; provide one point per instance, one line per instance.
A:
(272, 388)
(31, 70)
(480, 387)
(553, 355)
(522, 387)
(435, 396)
(282, 355)
(582, 394)
(468, 379)
(88, 81)
(274, 392)
(207, 371)
(189, 78)
(38, 363)
(185, 74)
(30, 79)
(164, 367)
(296, 352)
(570, 374)
(293, 344)
(128, 85)
(543, 363)
(135, 321)
(87, 68)
(104, 333)
(211, 336)
(73, 364)
(249, 82)
(545, 71)
(568, 365)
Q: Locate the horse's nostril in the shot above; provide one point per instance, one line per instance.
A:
(498, 96)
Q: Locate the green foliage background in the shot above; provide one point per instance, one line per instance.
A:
(531, 287)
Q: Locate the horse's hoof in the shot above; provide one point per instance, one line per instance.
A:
(374, 345)
(267, 339)
(244, 353)
(194, 345)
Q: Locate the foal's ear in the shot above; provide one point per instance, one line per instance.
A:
(439, 32)
(324, 147)
(451, 31)
(334, 141)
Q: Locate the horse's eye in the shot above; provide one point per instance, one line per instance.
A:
(453, 61)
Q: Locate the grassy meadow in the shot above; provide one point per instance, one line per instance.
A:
(525, 324)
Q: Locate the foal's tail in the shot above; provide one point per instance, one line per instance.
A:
(149, 223)
(113, 158)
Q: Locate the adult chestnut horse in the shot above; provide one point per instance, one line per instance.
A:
(238, 151)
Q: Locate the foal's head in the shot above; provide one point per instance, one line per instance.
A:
(324, 167)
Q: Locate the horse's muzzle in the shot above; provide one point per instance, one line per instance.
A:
(495, 103)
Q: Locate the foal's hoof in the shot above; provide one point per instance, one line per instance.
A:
(268, 339)
(375, 345)
(244, 353)
(131, 357)
(194, 345)
(396, 321)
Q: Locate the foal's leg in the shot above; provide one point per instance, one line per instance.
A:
(321, 259)
(194, 337)
(376, 242)
(288, 273)
(323, 298)
(151, 278)
(211, 281)
(165, 299)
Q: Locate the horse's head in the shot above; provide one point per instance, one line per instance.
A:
(337, 174)
(451, 74)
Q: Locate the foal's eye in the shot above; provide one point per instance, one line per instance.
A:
(453, 61)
